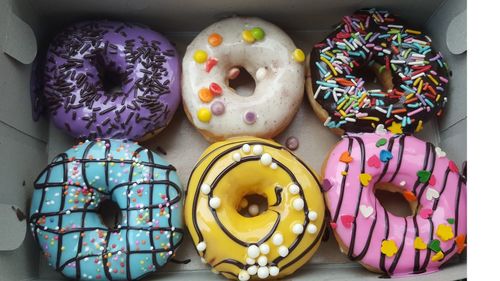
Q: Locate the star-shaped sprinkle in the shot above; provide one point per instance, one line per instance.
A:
(444, 232)
(389, 248)
(395, 128)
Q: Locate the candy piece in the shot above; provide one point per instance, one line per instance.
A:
(253, 251)
(266, 159)
(444, 232)
(200, 56)
(385, 155)
(292, 143)
(211, 62)
(345, 157)
(260, 74)
(423, 176)
(250, 117)
(297, 228)
(374, 162)
(419, 244)
(264, 249)
(233, 73)
(214, 39)
(277, 239)
(380, 130)
(381, 142)
(298, 55)
(214, 202)
(365, 210)
(396, 128)
(431, 194)
(311, 228)
(205, 95)
(217, 108)
(453, 167)
(247, 36)
(440, 153)
(426, 213)
(365, 179)
(327, 184)
(389, 248)
(437, 257)
(432, 180)
(346, 220)
(333, 225)
(215, 89)
(204, 115)
(258, 33)
(202, 246)
(409, 196)
(435, 245)
(460, 240)
(312, 215)
(450, 220)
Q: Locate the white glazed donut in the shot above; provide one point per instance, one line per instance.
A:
(267, 53)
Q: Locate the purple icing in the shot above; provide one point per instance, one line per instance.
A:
(217, 108)
(143, 64)
(250, 117)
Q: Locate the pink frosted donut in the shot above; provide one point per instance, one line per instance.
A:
(379, 240)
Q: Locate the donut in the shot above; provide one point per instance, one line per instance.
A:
(412, 76)
(269, 56)
(106, 79)
(430, 182)
(272, 242)
(65, 221)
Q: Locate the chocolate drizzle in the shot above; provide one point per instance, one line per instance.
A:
(234, 146)
(43, 184)
(418, 188)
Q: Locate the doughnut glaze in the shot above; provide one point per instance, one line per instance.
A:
(412, 76)
(272, 244)
(428, 180)
(269, 56)
(65, 221)
(88, 60)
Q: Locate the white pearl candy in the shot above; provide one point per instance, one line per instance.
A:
(311, 228)
(252, 270)
(293, 189)
(246, 148)
(297, 228)
(237, 157)
(298, 204)
(277, 239)
(312, 215)
(201, 246)
(274, 271)
(264, 249)
(205, 188)
(266, 159)
(243, 276)
(250, 261)
(257, 149)
(283, 251)
(253, 251)
(253, 210)
(274, 166)
(263, 272)
(262, 261)
(214, 202)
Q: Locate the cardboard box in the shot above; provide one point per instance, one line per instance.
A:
(26, 26)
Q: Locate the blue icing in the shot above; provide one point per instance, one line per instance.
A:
(146, 189)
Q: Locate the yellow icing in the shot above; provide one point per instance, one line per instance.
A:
(256, 176)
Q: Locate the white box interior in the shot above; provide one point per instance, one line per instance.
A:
(26, 146)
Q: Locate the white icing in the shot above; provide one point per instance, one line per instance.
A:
(282, 74)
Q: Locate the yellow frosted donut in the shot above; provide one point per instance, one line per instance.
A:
(241, 240)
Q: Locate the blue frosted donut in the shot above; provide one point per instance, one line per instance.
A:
(66, 224)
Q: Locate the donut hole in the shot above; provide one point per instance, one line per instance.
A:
(111, 82)
(252, 205)
(243, 84)
(110, 214)
(391, 198)
(375, 77)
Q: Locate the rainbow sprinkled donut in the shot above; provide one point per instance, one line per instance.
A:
(427, 179)
(64, 215)
(414, 77)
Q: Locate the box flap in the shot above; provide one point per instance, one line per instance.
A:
(14, 225)
(456, 35)
(19, 40)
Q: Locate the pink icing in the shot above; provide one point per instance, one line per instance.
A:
(345, 194)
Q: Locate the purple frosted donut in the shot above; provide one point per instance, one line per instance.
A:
(106, 79)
